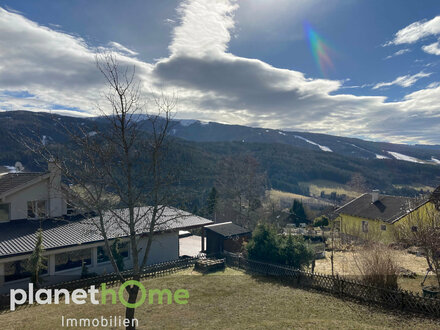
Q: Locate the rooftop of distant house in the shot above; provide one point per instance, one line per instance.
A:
(376, 206)
(10, 181)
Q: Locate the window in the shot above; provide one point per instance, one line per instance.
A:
(73, 259)
(16, 270)
(383, 227)
(365, 226)
(4, 212)
(414, 229)
(36, 209)
(123, 250)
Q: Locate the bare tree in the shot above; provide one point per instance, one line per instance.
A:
(241, 187)
(119, 167)
(358, 183)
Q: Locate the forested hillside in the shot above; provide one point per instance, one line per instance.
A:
(287, 166)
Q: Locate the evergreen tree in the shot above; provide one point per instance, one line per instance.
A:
(211, 203)
(264, 244)
(294, 251)
(84, 270)
(119, 259)
(37, 262)
(297, 213)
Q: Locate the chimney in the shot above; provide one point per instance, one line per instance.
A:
(55, 195)
(374, 195)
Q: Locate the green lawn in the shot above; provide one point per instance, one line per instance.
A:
(229, 300)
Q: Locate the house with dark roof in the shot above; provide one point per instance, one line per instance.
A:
(225, 236)
(71, 242)
(377, 217)
(30, 201)
(31, 195)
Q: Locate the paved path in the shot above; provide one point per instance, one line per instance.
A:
(190, 245)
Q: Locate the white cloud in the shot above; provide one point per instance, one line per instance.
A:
(213, 85)
(398, 53)
(204, 28)
(416, 31)
(403, 81)
(56, 67)
(124, 50)
(433, 48)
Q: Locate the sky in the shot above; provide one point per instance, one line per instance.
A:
(359, 68)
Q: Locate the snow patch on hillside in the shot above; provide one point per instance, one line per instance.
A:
(435, 160)
(10, 169)
(187, 122)
(323, 148)
(381, 157)
(405, 158)
(282, 133)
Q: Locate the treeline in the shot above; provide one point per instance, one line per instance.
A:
(201, 164)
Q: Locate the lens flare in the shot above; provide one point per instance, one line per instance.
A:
(320, 50)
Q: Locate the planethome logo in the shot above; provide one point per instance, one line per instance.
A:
(80, 296)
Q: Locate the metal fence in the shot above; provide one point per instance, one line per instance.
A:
(159, 269)
(342, 287)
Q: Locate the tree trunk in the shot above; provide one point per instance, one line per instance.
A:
(129, 312)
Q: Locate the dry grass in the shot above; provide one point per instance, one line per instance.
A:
(232, 300)
(345, 265)
(328, 187)
(286, 197)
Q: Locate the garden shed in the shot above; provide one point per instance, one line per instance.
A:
(225, 236)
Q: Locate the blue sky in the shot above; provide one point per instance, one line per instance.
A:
(242, 62)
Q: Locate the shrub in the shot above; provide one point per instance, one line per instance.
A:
(377, 266)
(321, 221)
(266, 245)
(294, 251)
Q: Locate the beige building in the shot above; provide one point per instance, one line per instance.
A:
(31, 195)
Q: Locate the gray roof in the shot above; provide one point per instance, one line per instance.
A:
(387, 208)
(228, 229)
(19, 236)
(12, 180)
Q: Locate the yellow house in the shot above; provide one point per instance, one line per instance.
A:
(377, 217)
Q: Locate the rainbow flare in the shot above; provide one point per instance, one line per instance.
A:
(320, 49)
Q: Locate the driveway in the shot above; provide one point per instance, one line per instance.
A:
(190, 245)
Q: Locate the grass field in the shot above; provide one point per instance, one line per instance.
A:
(229, 300)
(287, 197)
(316, 186)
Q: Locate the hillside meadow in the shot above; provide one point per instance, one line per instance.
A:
(229, 300)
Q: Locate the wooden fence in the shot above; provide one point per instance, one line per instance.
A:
(159, 269)
(342, 287)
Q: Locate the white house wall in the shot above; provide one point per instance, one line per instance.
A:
(38, 191)
(18, 201)
(165, 247)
